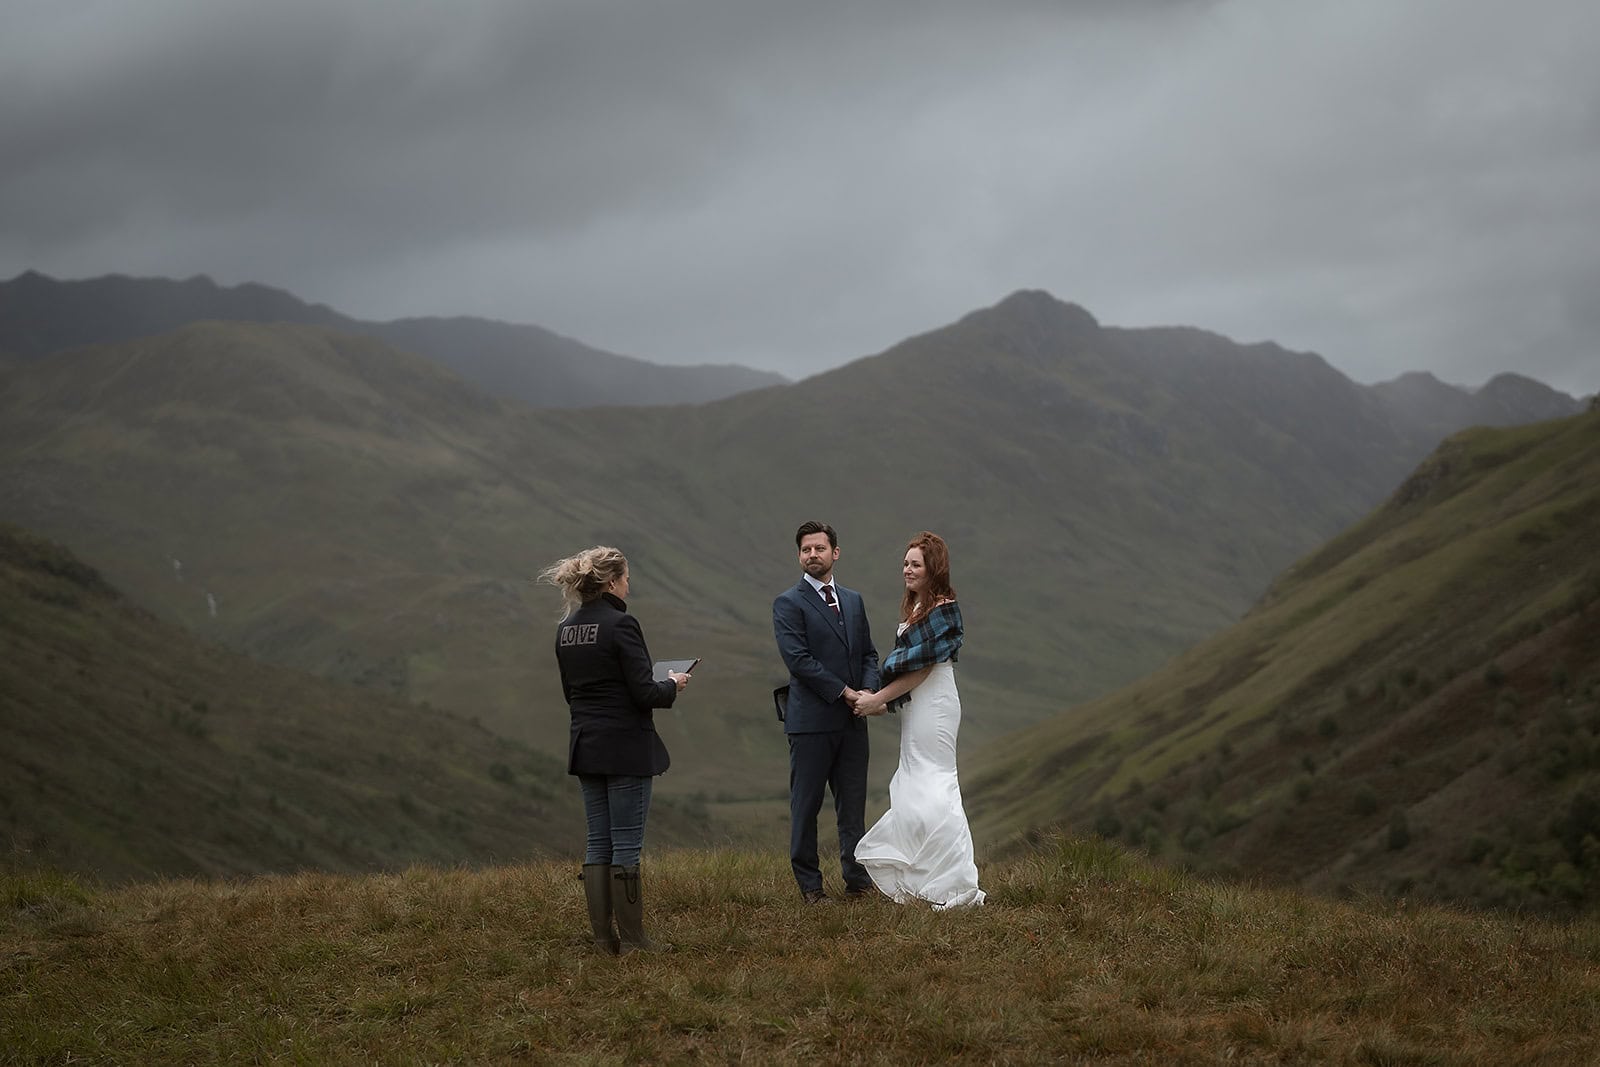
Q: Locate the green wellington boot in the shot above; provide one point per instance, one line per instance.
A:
(597, 891)
(627, 898)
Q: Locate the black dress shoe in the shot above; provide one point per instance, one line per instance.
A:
(815, 896)
(862, 892)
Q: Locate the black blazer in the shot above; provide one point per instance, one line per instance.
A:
(606, 679)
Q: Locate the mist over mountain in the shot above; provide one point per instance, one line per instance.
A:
(325, 501)
(40, 315)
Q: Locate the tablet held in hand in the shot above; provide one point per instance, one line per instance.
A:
(677, 666)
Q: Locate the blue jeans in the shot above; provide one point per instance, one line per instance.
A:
(615, 807)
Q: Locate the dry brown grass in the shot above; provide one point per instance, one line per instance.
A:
(1084, 953)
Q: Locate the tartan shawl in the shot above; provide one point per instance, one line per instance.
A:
(935, 639)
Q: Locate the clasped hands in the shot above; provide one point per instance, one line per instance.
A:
(864, 702)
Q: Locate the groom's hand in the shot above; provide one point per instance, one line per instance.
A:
(851, 696)
(869, 704)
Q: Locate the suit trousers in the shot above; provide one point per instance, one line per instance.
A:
(835, 760)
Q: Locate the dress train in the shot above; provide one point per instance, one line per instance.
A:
(922, 847)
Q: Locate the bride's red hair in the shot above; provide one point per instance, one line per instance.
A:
(936, 557)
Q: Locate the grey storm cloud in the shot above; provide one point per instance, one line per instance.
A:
(1396, 186)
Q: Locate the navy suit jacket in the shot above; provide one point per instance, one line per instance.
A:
(825, 651)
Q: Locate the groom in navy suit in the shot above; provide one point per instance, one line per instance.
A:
(825, 642)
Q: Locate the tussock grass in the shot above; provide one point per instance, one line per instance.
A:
(1084, 953)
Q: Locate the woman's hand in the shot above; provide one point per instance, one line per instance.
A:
(877, 702)
(680, 680)
(867, 703)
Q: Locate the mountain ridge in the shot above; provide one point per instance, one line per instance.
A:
(1111, 496)
(40, 315)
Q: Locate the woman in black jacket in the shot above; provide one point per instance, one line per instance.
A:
(606, 677)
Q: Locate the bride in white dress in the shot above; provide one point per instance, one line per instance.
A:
(922, 847)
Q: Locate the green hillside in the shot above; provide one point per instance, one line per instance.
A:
(1413, 708)
(133, 750)
(1082, 954)
(323, 501)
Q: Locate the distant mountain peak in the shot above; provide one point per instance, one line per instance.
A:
(1039, 304)
(1415, 377)
(1034, 324)
(1508, 381)
(1439, 408)
(1420, 387)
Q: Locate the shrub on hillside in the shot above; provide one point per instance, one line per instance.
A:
(1108, 824)
(1364, 801)
(1479, 849)
(1302, 789)
(1399, 830)
(1579, 825)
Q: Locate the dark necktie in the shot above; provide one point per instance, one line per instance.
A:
(827, 594)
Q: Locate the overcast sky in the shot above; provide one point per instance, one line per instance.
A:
(1395, 184)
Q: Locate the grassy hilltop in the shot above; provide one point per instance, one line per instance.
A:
(1083, 954)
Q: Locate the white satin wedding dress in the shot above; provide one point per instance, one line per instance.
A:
(922, 847)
